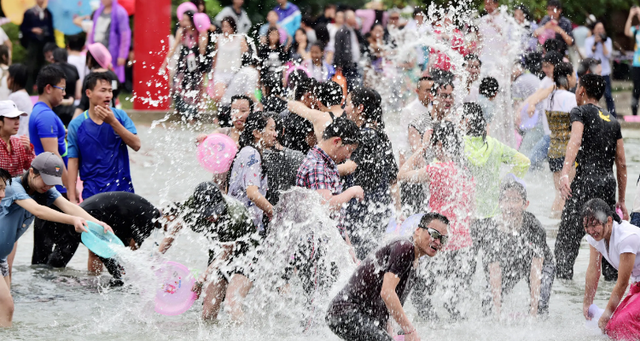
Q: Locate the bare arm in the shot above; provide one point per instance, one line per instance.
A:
(165, 244)
(312, 115)
(495, 281)
(72, 178)
(621, 174)
(538, 97)
(575, 141)
(591, 280)
(535, 279)
(392, 301)
(336, 201)
(254, 195)
(173, 48)
(347, 168)
(627, 25)
(50, 144)
(408, 172)
(74, 210)
(415, 140)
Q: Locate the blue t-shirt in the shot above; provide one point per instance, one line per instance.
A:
(15, 220)
(636, 47)
(44, 123)
(102, 155)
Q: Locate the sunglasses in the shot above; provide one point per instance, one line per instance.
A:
(435, 234)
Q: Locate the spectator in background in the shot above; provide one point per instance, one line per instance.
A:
(273, 56)
(228, 59)
(17, 80)
(556, 22)
(332, 28)
(347, 50)
(289, 16)
(98, 60)
(37, 30)
(111, 28)
(307, 25)
(272, 21)
(327, 16)
(589, 65)
(372, 14)
(245, 82)
(524, 18)
(4, 39)
(65, 109)
(5, 60)
(319, 69)
(238, 14)
(635, 66)
(75, 44)
(48, 52)
(600, 47)
(300, 48)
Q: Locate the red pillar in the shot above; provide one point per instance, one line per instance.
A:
(152, 26)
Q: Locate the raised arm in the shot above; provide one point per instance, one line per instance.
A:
(132, 140)
(591, 280)
(408, 173)
(621, 174)
(538, 97)
(303, 111)
(627, 25)
(520, 163)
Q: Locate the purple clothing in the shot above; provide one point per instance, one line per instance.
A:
(119, 35)
(362, 292)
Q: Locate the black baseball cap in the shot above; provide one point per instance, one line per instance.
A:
(209, 200)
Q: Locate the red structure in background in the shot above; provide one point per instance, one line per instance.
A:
(152, 23)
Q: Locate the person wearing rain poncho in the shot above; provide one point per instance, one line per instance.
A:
(229, 228)
(484, 156)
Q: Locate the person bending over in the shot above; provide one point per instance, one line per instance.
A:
(379, 286)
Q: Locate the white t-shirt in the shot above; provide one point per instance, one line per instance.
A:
(542, 106)
(625, 238)
(23, 102)
(244, 82)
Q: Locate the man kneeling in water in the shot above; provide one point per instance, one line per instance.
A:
(515, 247)
(230, 230)
(380, 285)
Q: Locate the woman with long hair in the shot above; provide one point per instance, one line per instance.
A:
(248, 178)
(228, 57)
(299, 50)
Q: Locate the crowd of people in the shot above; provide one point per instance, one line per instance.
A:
(310, 105)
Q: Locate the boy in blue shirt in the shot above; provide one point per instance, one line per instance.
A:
(97, 143)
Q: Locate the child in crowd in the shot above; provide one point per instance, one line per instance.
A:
(319, 69)
(488, 92)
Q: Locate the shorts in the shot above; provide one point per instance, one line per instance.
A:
(229, 269)
(555, 165)
(4, 268)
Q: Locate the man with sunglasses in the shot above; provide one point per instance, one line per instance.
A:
(379, 286)
(515, 247)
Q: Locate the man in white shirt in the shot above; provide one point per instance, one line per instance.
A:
(599, 47)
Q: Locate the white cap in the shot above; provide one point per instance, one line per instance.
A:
(10, 109)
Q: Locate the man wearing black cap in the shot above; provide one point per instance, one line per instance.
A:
(230, 230)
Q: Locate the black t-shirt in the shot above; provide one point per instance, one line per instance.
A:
(377, 166)
(362, 292)
(282, 167)
(65, 112)
(296, 130)
(84, 101)
(128, 214)
(599, 139)
(514, 251)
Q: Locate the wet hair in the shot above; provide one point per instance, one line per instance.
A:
(60, 55)
(489, 87)
(555, 45)
(594, 85)
(302, 87)
(587, 65)
(470, 57)
(597, 210)
(273, 29)
(5, 176)
(92, 79)
(4, 54)
(49, 75)
(512, 184)
(243, 97)
(422, 79)
(19, 75)
(533, 63)
(427, 218)
(441, 80)
(561, 74)
(329, 93)
(554, 3)
(445, 133)
(525, 10)
(371, 102)
(343, 128)
(296, 77)
(477, 125)
(76, 42)
(255, 121)
(232, 22)
(552, 57)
